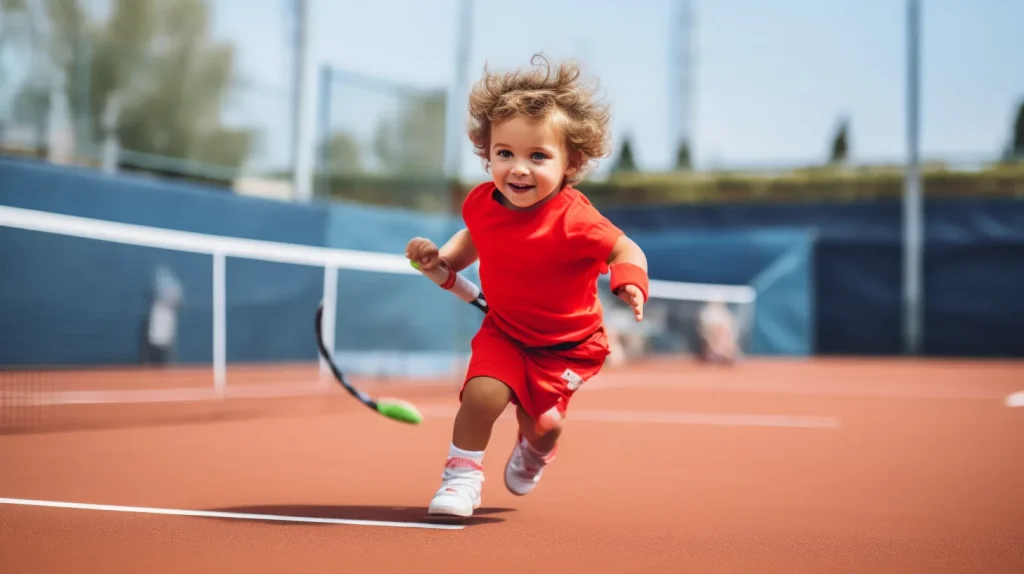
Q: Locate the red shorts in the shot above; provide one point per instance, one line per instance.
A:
(539, 378)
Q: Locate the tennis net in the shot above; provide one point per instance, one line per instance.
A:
(95, 311)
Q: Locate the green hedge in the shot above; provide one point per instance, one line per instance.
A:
(825, 184)
(817, 184)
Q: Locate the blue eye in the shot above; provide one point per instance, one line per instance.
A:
(504, 153)
(538, 156)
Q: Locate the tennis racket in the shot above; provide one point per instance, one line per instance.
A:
(463, 288)
(398, 409)
(395, 409)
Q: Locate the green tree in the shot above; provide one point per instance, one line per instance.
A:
(1017, 141)
(840, 143)
(625, 161)
(28, 106)
(341, 154)
(412, 144)
(157, 65)
(684, 161)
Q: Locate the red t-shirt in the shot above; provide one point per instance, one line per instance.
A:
(539, 266)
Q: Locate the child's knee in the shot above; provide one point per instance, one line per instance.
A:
(551, 421)
(486, 393)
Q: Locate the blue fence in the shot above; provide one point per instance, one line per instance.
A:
(973, 269)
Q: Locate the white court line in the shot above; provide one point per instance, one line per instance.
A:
(836, 390)
(715, 419)
(672, 418)
(1015, 399)
(216, 514)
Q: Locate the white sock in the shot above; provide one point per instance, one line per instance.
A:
(475, 455)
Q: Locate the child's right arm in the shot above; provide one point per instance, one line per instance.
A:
(456, 254)
(459, 252)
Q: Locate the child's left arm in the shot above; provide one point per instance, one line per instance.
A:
(628, 266)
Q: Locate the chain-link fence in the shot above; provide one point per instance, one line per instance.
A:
(380, 141)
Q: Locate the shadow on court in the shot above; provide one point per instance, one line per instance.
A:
(485, 515)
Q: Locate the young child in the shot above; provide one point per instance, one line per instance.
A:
(541, 246)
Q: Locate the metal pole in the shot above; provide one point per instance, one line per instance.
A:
(220, 329)
(681, 73)
(674, 84)
(912, 202)
(301, 164)
(323, 129)
(455, 134)
(455, 115)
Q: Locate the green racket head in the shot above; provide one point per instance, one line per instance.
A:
(399, 410)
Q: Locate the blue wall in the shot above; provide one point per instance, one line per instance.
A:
(785, 317)
(973, 269)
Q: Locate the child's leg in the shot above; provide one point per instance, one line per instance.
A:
(483, 401)
(562, 374)
(535, 448)
(542, 440)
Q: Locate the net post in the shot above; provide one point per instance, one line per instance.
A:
(912, 200)
(329, 317)
(219, 323)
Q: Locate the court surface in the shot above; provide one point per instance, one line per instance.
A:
(830, 465)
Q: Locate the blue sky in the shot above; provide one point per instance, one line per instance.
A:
(770, 79)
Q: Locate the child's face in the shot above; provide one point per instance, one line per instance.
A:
(529, 160)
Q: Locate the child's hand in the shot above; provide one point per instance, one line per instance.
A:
(424, 252)
(632, 295)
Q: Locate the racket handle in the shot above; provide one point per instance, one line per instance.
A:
(463, 288)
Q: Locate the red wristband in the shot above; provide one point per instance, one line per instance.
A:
(452, 276)
(623, 274)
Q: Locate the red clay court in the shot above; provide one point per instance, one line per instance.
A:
(828, 465)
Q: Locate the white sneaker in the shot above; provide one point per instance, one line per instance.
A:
(461, 483)
(524, 468)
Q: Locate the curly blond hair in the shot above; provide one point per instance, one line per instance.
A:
(542, 93)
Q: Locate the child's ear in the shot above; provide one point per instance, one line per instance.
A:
(575, 164)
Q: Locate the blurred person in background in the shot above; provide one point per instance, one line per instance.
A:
(716, 327)
(162, 326)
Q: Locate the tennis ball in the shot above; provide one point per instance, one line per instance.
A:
(399, 410)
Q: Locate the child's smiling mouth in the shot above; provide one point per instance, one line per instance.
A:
(520, 187)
